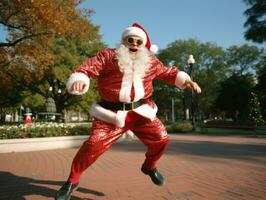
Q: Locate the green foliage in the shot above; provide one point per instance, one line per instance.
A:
(261, 88)
(255, 23)
(213, 71)
(163, 95)
(27, 80)
(243, 59)
(254, 108)
(70, 53)
(43, 130)
(208, 71)
(33, 101)
(181, 126)
(234, 96)
(9, 95)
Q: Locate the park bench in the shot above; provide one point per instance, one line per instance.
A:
(245, 125)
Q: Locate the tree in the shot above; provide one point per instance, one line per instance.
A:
(28, 19)
(254, 109)
(209, 68)
(261, 87)
(256, 21)
(29, 24)
(27, 55)
(9, 95)
(68, 54)
(234, 96)
(243, 59)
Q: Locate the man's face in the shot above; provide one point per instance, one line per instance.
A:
(134, 43)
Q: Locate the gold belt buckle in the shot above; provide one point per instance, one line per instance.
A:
(124, 106)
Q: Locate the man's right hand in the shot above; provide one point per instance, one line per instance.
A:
(78, 86)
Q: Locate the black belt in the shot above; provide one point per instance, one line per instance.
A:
(121, 106)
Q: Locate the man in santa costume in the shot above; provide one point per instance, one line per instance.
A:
(124, 76)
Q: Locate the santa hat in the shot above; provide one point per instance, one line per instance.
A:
(138, 30)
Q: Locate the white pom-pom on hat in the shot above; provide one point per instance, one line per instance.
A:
(154, 48)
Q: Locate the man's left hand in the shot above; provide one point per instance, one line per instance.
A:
(193, 85)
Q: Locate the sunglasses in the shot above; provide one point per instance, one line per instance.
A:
(132, 40)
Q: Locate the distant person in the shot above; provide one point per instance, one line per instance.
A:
(124, 76)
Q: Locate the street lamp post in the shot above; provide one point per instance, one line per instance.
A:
(171, 63)
(173, 110)
(191, 62)
(20, 113)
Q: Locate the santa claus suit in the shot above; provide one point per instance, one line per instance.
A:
(120, 81)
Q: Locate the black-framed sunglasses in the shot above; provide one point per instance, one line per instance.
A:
(131, 40)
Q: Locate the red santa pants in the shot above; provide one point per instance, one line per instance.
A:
(103, 135)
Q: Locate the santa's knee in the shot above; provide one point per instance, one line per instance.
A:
(160, 140)
(164, 140)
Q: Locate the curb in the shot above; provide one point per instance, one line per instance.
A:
(38, 144)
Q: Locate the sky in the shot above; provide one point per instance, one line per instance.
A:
(217, 21)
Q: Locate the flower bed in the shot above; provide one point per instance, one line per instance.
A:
(50, 129)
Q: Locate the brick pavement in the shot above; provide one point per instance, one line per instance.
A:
(195, 167)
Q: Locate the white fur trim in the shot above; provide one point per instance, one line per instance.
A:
(103, 114)
(139, 88)
(77, 76)
(125, 90)
(181, 78)
(108, 116)
(146, 111)
(135, 31)
(121, 118)
(154, 48)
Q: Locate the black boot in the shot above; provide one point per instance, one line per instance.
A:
(156, 177)
(65, 191)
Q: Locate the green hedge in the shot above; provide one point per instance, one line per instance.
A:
(181, 126)
(60, 129)
(46, 130)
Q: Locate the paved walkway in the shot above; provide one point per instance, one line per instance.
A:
(195, 168)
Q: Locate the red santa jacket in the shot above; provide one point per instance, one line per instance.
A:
(117, 78)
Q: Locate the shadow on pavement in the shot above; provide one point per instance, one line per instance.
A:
(247, 152)
(89, 191)
(17, 187)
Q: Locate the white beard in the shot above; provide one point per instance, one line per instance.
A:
(136, 63)
(133, 66)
